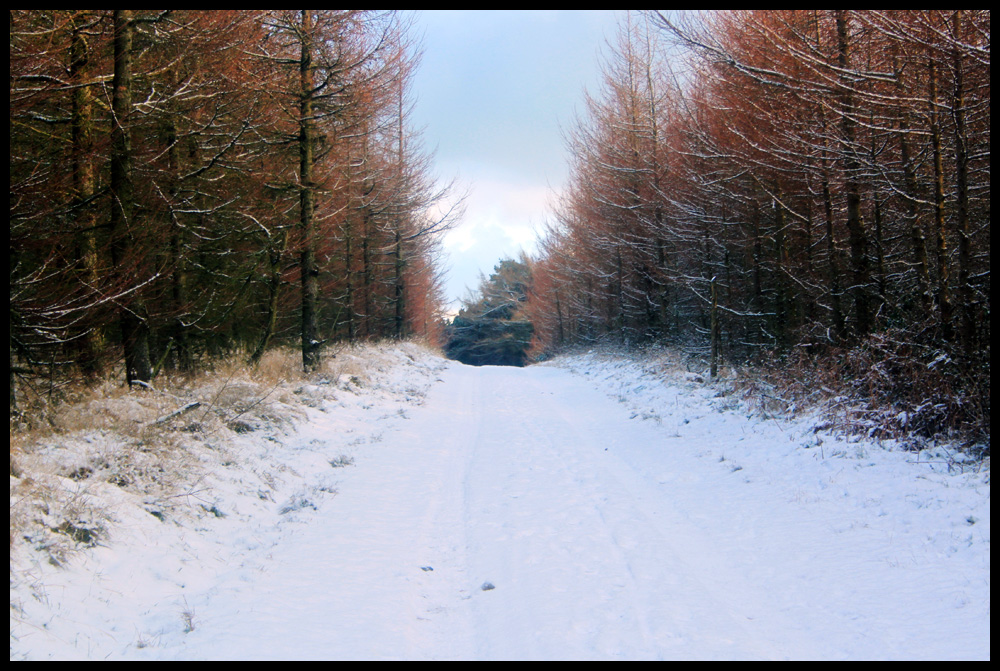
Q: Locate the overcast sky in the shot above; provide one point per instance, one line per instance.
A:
(494, 92)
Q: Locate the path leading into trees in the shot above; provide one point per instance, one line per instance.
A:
(521, 513)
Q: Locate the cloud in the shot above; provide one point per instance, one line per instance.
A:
(498, 223)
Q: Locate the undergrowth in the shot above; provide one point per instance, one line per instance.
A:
(885, 388)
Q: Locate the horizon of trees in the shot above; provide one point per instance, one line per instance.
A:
(187, 183)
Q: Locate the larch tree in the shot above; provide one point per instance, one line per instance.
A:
(172, 172)
(811, 181)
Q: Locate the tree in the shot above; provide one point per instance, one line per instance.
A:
(491, 329)
(780, 191)
(125, 223)
(240, 152)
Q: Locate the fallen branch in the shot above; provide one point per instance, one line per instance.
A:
(177, 413)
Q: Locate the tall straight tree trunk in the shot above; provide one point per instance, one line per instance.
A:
(857, 236)
(782, 293)
(880, 264)
(368, 274)
(918, 241)
(178, 275)
(84, 212)
(131, 312)
(400, 288)
(307, 203)
(833, 261)
(275, 253)
(400, 259)
(943, 289)
(620, 293)
(349, 278)
(660, 298)
(965, 300)
(714, 331)
(809, 302)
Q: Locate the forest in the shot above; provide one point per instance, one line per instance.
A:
(805, 187)
(809, 189)
(186, 184)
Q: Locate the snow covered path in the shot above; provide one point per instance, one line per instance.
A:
(520, 513)
(592, 509)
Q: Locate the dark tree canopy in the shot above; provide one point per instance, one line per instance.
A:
(490, 329)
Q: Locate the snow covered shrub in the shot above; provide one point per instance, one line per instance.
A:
(887, 386)
(54, 519)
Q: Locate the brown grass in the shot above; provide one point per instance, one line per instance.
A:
(79, 436)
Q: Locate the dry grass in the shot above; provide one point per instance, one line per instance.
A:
(149, 444)
(277, 366)
(71, 442)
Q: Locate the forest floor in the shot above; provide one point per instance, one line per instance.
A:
(593, 507)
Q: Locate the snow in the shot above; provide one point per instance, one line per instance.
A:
(595, 507)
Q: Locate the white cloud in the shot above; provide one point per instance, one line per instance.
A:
(499, 222)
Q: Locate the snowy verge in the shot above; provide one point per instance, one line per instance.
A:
(927, 513)
(157, 494)
(649, 382)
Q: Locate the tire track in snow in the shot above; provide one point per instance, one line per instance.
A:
(592, 560)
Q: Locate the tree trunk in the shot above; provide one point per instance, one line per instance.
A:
(400, 290)
(714, 331)
(83, 185)
(368, 275)
(132, 314)
(307, 204)
(833, 263)
(965, 299)
(275, 255)
(943, 291)
(918, 241)
(178, 276)
(856, 234)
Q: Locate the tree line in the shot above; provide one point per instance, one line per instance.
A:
(781, 181)
(188, 183)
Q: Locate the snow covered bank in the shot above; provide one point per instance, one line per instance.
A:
(112, 527)
(590, 508)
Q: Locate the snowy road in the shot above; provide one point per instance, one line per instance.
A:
(522, 513)
(598, 508)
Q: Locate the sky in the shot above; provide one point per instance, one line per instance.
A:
(494, 93)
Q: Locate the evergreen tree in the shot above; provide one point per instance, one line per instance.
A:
(491, 329)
